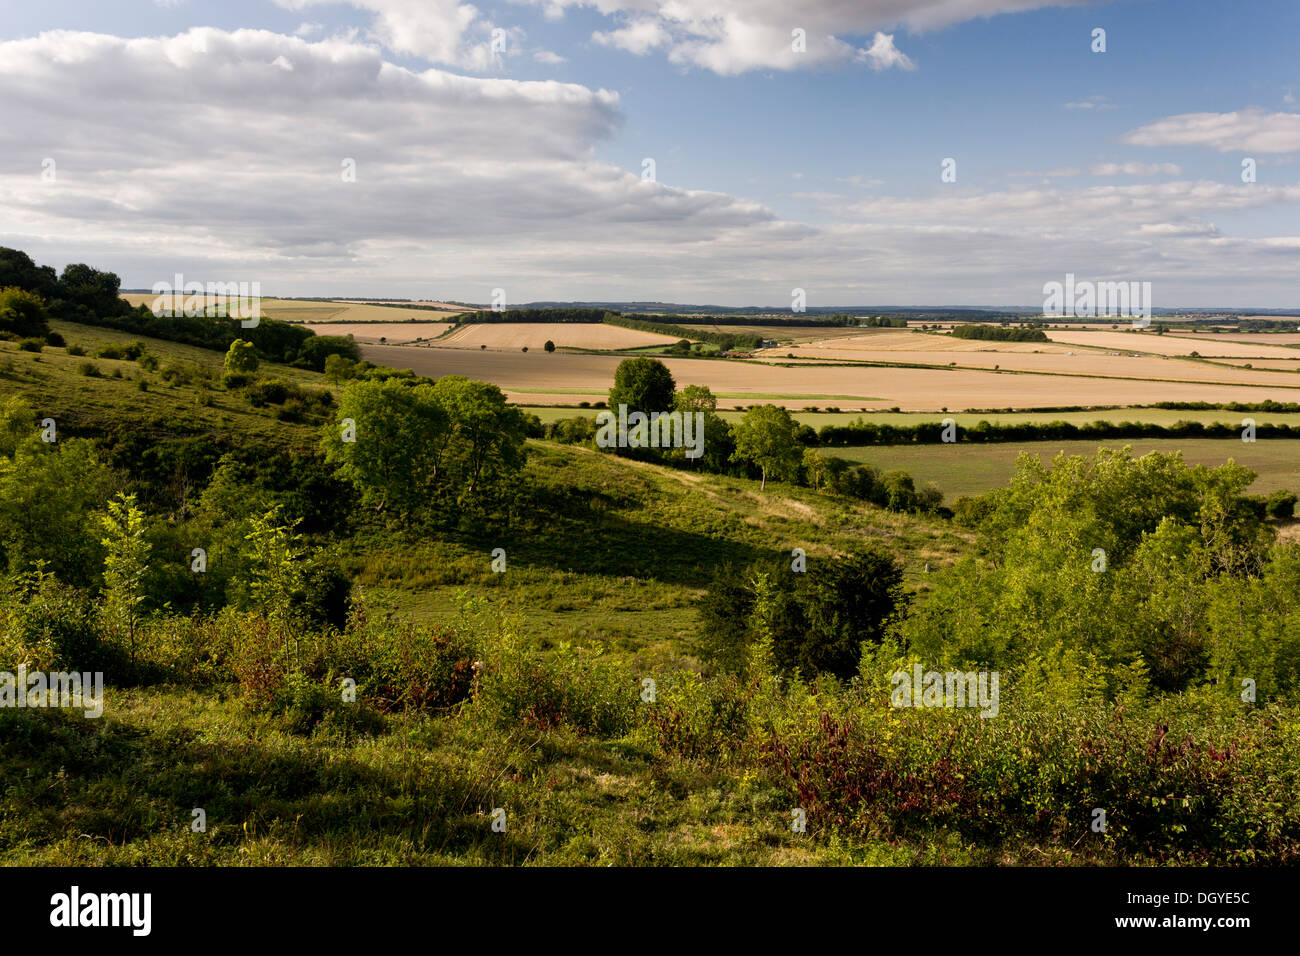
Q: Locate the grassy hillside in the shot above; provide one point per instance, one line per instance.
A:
(524, 692)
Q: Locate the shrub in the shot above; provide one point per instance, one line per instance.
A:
(1281, 505)
(89, 369)
(30, 345)
(54, 340)
(574, 687)
(398, 665)
(47, 625)
(76, 350)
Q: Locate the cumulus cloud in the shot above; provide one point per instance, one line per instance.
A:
(466, 183)
(245, 164)
(441, 31)
(1137, 169)
(883, 55)
(549, 58)
(1250, 130)
(735, 36)
(639, 37)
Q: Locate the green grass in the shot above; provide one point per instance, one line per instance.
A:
(972, 469)
(624, 560)
(52, 383)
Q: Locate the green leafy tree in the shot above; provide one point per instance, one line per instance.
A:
(643, 385)
(766, 437)
(549, 346)
(22, 313)
(484, 440)
(126, 564)
(241, 359)
(47, 496)
(275, 557)
(339, 368)
(91, 291)
(398, 433)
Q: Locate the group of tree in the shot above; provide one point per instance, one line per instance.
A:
(765, 444)
(92, 297)
(999, 333)
(426, 449)
(1110, 573)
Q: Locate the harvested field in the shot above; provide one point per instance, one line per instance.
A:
(1066, 362)
(298, 310)
(1263, 338)
(778, 333)
(1208, 345)
(398, 333)
(517, 335)
(898, 340)
(539, 378)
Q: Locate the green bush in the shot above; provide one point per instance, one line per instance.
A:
(30, 345)
(398, 665)
(47, 625)
(574, 687)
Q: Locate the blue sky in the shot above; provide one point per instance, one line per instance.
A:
(521, 169)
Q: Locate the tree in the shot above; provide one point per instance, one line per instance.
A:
(845, 602)
(242, 358)
(695, 398)
(814, 622)
(126, 562)
(47, 496)
(643, 385)
(22, 313)
(485, 436)
(91, 290)
(398, 431)
(718, 442)
(766, 438)
(275, 554)
(339, 368)
(549, 346)
(17, 269)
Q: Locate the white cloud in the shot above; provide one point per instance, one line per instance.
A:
(639, 37)
(883, 55)
(468, 183)
(735, 36)
(549, 58)
(860, 181)
(1091, 103)
(1250, 130)
(475, 174)
(1137, 169)
(441, 31)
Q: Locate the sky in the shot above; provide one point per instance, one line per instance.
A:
(725, 152)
